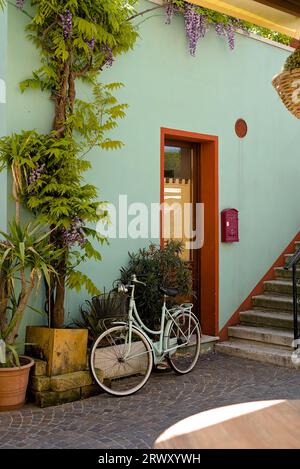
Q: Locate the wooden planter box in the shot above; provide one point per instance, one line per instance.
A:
(64, 350)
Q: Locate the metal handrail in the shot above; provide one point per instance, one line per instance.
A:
(292, 263)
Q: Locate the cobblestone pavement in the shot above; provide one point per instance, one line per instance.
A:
(135, 422)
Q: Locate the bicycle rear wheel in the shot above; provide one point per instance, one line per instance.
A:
(184, 337)
(120, 365)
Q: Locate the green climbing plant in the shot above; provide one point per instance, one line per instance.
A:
(77, 40)
(198, 20)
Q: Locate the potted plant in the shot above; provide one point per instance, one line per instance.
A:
(287, 83)
(98, 313)
(25, 256)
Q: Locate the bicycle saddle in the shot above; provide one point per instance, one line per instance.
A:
(168, 291)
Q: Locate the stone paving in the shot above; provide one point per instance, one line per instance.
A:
(135, 422)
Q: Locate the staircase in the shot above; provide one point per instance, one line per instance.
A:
(265, 332)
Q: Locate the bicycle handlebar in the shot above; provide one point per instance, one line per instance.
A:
(135, 280)
(121, 288)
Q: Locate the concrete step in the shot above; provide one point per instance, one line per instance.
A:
(281, 286)
(265, 335)
(272, 354)
(280, 272)
(208, 343)
(272, 301)
(268, 318)
(288, 256)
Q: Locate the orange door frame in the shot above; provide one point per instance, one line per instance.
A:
(209, 196)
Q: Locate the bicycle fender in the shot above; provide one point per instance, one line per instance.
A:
(120, 323)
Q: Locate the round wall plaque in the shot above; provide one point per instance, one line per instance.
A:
(241, 128)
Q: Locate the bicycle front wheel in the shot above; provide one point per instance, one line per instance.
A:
(183, 342)
(121, 361)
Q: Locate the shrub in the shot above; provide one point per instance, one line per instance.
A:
(293, 61)
(98, 313)
(157, 266)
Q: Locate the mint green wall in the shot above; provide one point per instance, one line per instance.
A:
(3, 49)
(165, 86)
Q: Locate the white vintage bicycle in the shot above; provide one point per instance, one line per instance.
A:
(123, 356)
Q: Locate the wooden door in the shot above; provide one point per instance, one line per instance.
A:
(181, 194)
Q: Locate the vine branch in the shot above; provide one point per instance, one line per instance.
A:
(144, 12)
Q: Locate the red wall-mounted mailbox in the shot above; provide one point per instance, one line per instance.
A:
(230, 225)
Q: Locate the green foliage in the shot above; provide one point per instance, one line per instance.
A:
(26, 247)
(76, 280)
(268, 34)
(104, 21)
(98, 313)
(92, 120)
(26, 256)
(76, 40)
(2, 4)
(59, 194)
(157, 266)
(293, 61)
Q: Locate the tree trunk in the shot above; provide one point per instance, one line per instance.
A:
(60, 99)
(3, 304)
(49, 301)
(19, 313)
(58, 316)
(64, 106)
(72, 93)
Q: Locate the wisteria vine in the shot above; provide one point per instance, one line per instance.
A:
(67, 24)
(198, 22)
(75, 233)
(20, 4)
(36, 174)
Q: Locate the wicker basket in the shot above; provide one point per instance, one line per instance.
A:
(287, 85)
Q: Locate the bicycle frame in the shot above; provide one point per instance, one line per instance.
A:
(159, 348)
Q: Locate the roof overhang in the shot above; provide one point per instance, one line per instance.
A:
(283, 16)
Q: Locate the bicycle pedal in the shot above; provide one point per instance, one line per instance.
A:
(162, 367)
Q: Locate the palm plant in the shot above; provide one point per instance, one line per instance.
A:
(25, 257)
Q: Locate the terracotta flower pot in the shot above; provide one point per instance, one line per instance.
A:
(13, 385)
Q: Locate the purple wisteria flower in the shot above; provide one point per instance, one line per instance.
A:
(36, 174)
(239, 24)
(195, 26)
(20, 4)
(169, 9)
(74, 234)
(109, 56)
(230, 35)
(220, 29)
(91, 43)
(67, 23)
